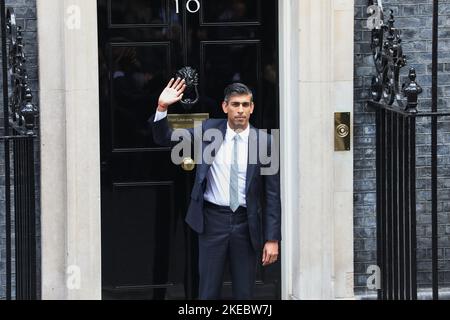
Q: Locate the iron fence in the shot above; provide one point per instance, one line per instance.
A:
(397, 116)
(19, 138)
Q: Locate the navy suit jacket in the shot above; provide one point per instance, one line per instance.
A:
(262, 191)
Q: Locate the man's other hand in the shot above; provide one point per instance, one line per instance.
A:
(270, 253)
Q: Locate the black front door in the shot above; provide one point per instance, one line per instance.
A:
(147, 249)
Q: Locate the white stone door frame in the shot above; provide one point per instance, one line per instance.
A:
(70, 149)
(288, 66)
(316, 79)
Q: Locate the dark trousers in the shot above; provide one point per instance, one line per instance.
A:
(226, 237)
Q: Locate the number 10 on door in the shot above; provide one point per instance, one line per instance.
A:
(192, 6)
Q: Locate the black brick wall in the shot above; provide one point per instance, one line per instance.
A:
(414, 17)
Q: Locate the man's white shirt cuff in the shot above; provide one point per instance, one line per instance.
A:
(160, 115)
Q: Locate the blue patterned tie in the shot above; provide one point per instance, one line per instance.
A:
(234, 180)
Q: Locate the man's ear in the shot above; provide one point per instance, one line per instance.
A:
(225, 107)
(252, 108)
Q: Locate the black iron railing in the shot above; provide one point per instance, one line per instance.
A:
(19, 138)
(396, 120)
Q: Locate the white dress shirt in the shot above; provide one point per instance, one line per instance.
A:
(218, 178)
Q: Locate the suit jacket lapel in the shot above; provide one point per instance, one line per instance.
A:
(223, 129)
(251, 167)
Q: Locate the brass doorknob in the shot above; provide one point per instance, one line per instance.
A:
(188, 164)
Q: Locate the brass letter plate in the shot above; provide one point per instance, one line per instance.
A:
(186, 121)
(342, 131)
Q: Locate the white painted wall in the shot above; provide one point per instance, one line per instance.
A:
(316, 66)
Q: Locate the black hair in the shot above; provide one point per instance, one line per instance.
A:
(237, 89)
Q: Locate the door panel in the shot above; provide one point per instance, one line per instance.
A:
(223, 62)
(138, 12)
(132, 91)
(142, 225)
(226, 11)
(147, 249)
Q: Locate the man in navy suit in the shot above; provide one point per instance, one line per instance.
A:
(235, 208)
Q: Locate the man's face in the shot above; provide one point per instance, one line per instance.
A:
(238, 108)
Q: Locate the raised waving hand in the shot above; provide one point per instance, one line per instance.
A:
(171, 94)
